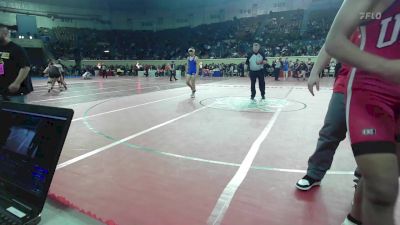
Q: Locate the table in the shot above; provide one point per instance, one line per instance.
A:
(217, 74)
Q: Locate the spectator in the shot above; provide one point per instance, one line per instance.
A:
(337, 68)
(173, 71)
(280, 31)
(14, 69)
(286, 68)
(277, 69)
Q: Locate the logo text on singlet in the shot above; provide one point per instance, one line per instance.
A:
(369, 132)
(370, 16)
(383, 42)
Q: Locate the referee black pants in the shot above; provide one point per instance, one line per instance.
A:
(261, 82)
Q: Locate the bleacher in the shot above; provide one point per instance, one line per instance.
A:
(278, 32)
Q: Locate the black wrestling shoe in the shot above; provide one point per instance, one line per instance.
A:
(306, 183)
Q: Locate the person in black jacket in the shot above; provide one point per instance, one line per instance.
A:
(183, 70)
(277, 65)
(15, 81)
(173, 71)
(268, 69)
(241, 69)
(255, 62)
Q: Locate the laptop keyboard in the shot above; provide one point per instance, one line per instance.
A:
(5, 220)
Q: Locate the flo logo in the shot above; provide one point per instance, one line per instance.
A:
(370, 15)
(369, 132)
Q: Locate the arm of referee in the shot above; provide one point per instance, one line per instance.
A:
(248, 61)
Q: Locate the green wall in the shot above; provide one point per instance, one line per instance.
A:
(179, 62)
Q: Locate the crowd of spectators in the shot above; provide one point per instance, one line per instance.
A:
(297, 68)
(279, 34)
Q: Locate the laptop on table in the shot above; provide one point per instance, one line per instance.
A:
(31, 140)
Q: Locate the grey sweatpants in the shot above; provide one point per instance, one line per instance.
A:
(332, 133)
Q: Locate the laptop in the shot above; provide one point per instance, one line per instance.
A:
(31, 140)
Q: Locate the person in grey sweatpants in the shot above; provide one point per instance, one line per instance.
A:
(332, 133)
(334, 129)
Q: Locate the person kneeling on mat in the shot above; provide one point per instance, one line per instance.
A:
(87, 75)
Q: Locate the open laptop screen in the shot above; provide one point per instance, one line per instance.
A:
(29, 150)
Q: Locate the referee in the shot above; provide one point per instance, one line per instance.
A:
(15, 82)
(255, 62)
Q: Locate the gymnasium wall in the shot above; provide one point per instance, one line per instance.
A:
(219, 13)
(178, 62)
(27, 43)
(50, 16)
(133, 18)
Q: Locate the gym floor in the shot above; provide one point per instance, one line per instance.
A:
(141, 152)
